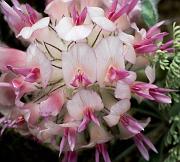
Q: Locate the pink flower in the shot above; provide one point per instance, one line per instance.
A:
(142, 144)
(83, 106)
(79, 66)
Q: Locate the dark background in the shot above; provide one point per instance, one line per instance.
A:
(13, 147)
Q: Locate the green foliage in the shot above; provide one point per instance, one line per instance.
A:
(174, 154)
(149, 12)
(162, 59)
(174, 132)
(173, 75)
(173, 82)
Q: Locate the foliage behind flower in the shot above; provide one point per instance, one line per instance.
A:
(78, 77)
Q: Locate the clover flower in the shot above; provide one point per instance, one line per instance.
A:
(78, 75)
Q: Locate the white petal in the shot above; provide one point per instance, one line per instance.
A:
(82, 100)
(120, 107)
(97, 15)
(64, 27)
(111, 120)
(82, 57)
(126, 38)
(78, 32)
(150, 73)
(129, 53)
(27, 32)
(108, 52)
(69, 32)
(123, 90)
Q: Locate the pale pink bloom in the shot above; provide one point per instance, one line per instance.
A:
(115, 12)
(74, 28)
(52, 105)
(143, 144)
(23, 19)
(83, 107)
(36, 58)
(110, 61)
(79, 66)
(13, 57)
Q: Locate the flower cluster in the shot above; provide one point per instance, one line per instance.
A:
(79, 74)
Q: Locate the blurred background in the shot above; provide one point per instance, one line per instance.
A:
(13, 147)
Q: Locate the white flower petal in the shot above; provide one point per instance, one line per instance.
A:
(150, 73)
(82, 100)
(123, 90)
(97, 16)
(108, 52)
(27, 32)
(80, 57)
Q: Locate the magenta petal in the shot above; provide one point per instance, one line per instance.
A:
(149, 144)
(73, 157)
(161, 97)
(147, 48)
(132, 5)
(123, 10)
(94, 119)
(71, 139)
(32, 14)
(82, 16)
(154, 29)
(141, 148)
(167, 44)
(83, 124)
(105, 154)
(97, 155)
(62, 144)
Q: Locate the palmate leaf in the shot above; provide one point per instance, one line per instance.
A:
(149, 12)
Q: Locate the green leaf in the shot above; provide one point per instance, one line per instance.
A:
(149, 12)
